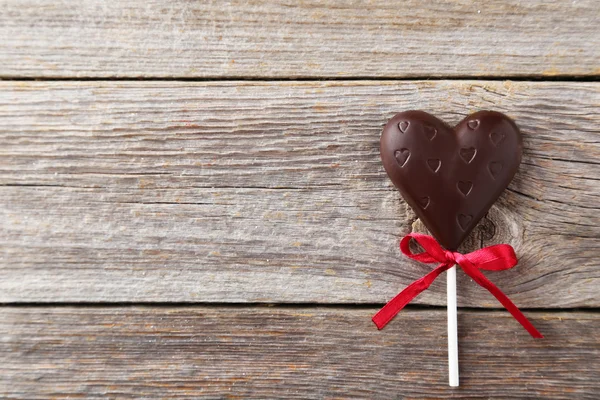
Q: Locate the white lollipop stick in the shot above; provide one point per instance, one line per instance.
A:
(452, 328)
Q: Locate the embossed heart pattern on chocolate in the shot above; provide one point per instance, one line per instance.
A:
(451, 177)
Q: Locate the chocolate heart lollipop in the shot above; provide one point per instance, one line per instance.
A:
(451, 177)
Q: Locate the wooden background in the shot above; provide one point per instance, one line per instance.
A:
(192, 202)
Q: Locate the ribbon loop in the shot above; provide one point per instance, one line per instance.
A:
(493, 258)
(433, 252)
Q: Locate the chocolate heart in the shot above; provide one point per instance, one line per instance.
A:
(451, 177)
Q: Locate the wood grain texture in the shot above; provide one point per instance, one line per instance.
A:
(290, 353)
(287, 38)
(275, 192)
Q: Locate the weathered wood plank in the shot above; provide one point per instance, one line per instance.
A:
(274, 192)
(286, 38)
(290, 353)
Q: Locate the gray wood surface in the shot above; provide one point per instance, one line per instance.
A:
(292, 353)
(181, 38)
(274, 192)
(224, 180)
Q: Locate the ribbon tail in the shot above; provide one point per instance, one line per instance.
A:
(394, 306)
(502, 298)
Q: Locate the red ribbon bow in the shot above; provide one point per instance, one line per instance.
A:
(493, 258)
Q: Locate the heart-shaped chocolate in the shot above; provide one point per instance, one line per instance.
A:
(451, 177)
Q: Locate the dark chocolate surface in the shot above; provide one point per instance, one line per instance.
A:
(451, 177)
